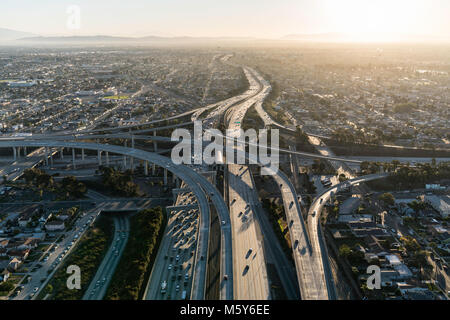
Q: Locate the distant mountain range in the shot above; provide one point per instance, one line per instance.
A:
(109, 39)
(8, 34)
(26, 37)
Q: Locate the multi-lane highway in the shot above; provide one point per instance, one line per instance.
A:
(100, 282)
(172, 273)
(250, 280)
(318, 246)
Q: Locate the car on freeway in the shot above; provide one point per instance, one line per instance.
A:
(170, 267)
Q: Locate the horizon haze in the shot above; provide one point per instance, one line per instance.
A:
(351, 20)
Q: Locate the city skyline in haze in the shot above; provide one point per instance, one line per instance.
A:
(259, 19)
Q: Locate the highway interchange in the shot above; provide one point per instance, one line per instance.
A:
(243, 267)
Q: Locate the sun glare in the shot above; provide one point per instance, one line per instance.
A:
(372, 20)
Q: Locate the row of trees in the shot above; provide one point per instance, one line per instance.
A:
(139, 254)
(70, 187)
(404, 176)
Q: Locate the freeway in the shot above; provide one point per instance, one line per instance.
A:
(249, 263)
(308, 272)
(199, 185)
(168, 139)
(319, 251)
(100, 282)
(250, 280)
(15, 169)
(175, 260)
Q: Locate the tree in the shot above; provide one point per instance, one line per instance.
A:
(49, 288)
(410, 243)
(387, 198)
(342, 177)
(72, 187)
(417, 206)
(344, 251)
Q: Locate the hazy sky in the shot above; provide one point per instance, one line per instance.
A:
(255, 18)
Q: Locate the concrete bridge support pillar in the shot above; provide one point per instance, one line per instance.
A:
(51, 157)
(107, 158)
(82, 154)
(153, 169)
(125, 157)
(62, 154)
(99, 156)
(25, 153)
(15, 153)
(165, 176)
(155, 144)
(131, 158)
(146, 168)
(46, 155)
(73, 159)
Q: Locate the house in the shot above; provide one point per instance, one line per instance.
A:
(392, 259)
(21, 254)
(4, 276)
(4, 243)
(439, 203)
(410, 292)
(14, 264)
(29, 243)
(56, 225)
(403, 272)
(27, 214)
(388, 277)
